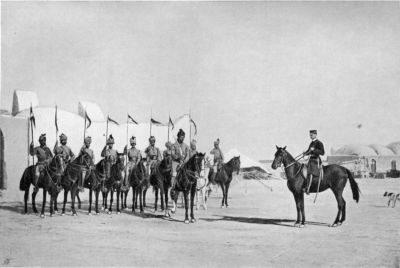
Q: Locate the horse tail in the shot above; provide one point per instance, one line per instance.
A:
(26, 179)
(354, 186)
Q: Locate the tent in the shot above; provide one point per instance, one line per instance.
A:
(246, 163)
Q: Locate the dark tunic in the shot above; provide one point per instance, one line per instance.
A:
(315, 159)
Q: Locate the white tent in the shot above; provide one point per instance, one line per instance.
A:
(92, 109)
(23, 99)
(245, 161)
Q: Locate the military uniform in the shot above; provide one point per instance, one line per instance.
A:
(218, 157)
(65, 150)
(134, 157)
(168, 151)
(86, 150)
(193, 149)
(153, 155)
(44, 157)
(315, 159)
(108, 152)
(180, 155)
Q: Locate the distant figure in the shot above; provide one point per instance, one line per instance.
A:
(64, 149)
(193, 148)
(44, 156)
(315, 150)
(168, 151)
(218, 158)
(153, 154)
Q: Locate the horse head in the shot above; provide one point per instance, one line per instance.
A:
(58, 164)
(236, 164)
(107, 163)
(280, 157)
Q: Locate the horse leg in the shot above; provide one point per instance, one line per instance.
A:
(155, 199)
(223, 194)
(133, 199)
(341, 203)
(226, 193)
(34, 193)
(90, 201)
(97, 201)
(26, 196)
(43, 203)
(73, 195)
(193, 192)
(185, 196)
(197, 200)
(144, 197)
(140, 199)
(297, 200)
(162, 198)
(126, 196)
(118, 196)
(303, 215)
(79, 200)
(204, 197)
(65, 201)
(166, 200)
(111, 200)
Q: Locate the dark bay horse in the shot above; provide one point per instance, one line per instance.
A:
(139, 181)
(49, 181)
(76, 170)
(160, 179)
(186, 182)
(116, 181)
(224, 177)
(334, 177)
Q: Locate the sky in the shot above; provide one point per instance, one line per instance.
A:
(254, 74)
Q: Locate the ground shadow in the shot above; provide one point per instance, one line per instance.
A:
(16, 207)
(253, 220)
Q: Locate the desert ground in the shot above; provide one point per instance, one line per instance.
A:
(256, 230)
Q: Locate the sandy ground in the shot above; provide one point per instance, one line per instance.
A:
(256, 230)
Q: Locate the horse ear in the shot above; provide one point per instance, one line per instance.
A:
(277, 147)
(284, 148)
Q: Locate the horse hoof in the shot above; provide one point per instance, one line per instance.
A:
(106, 210)
(89, 213)
(192, 220)
(301, 226)
(74, 214)
(334, 225)
(97, 213)
(339, 223)
(141, 212)
(42, 216)
(297, 224)
(63, 214)
(119, 212)
(187, 221)
(56, 211)
(102, 208)
(109, 212)
(52, 215)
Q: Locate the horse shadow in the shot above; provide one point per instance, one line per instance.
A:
(264, 221)
(16, 207)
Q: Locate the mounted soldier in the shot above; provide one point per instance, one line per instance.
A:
(44, 157)
(109, 152)
(168, 151)
(180, 155)
(134, 155)
(86, 150)
(153, 154)
(193, 148)
(218, 158)
(64, 149)
(315, 150)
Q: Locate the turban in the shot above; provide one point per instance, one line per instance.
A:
(168, 144)
(152, 138)
(133, 139)
(42, 137)
(193, 144)
(181, 132)
(313, 131)
(110, 140)
(88, 139)
(63, 137)
(216, 142)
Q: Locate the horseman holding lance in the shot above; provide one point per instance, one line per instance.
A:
(86, 150)
(315, 150)
(180, 155)
(44, 157)
(64, 149)
(109, 152)
(153, 154)
(134, 155)
(218, 158)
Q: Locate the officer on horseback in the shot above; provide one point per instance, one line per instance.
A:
(180, 155)
(108, 151)
(218, 158)
(44, 156)
(315, 150)
(86, 150)
(153, 154)
(64, 149)
(134, 155)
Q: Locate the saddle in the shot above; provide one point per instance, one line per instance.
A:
(313, 167)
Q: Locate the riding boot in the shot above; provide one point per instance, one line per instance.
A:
(173, 184)
(81, 185)
(309, 181)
